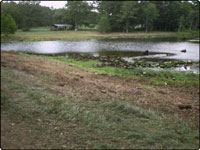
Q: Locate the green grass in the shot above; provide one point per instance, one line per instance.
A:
(35, 29)
(95, 123)
(44, 34)
(165, 77)
(188, 34)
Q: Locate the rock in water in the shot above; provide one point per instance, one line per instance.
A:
(146, 52)
(184, 50)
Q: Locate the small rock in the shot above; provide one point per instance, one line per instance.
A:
(61, 84)
(181, 106)
(13, 124)
(103, 91)
(64, 146)
(184, 50)
(146, 52)
(55, 128)
(76, 79)
(91, 92)
(98, 65)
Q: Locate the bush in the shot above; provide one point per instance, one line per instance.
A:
(104, 25)
(8, 25)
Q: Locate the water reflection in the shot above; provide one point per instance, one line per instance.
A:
(129, 49)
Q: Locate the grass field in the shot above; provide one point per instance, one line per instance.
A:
(96, 123)
(44, 34)
(50, 102)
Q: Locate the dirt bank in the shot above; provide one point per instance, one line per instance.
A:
(74, 82)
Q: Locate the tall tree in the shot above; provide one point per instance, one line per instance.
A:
(12, 9)
(128, 15)
(149, 14)
(111, 10)
(78, 10)
(34, 15)
(172, 15)
(185, 9)
(61, 16)
(194, 16)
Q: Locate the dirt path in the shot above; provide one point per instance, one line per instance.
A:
(75, 82)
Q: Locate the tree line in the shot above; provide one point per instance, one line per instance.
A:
(129, 16)
(109, 16)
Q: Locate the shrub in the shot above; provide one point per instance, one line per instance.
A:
(8, 25)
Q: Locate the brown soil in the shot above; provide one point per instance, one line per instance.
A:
(75, 82)
(85, 84)
(15, 136)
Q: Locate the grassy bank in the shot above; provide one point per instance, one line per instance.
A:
(44, 34)
(165, 77)
(43, 120)
(188, 34)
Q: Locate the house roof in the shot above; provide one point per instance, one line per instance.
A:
(62, 25)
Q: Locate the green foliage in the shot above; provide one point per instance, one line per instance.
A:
(128, 15)
(92, 19)
(111, 11)
(34, 15)
(149, 14)
(177, 15)
(61, 16)
(78, 12)
(188, 34)
(123, 16)
(104, 25)
(8, 25)
(28, 14)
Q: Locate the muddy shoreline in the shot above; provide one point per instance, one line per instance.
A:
(120, 62)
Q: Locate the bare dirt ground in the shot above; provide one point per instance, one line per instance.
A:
(75, 82)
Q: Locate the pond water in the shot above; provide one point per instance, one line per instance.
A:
(129, 49)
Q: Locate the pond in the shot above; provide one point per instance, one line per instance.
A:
(128, 49)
